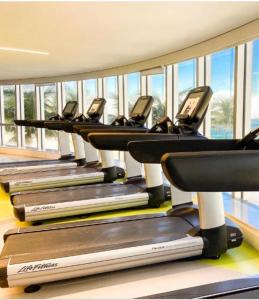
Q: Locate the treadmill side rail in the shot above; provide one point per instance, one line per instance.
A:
(35, 272)
(63, 209)
(58, 181)
(37, 168)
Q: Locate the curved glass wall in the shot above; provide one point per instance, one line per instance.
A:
(111, 95)
(9, 131)
(186, 78)
(156, 88)
(30, 113)
(222, 84)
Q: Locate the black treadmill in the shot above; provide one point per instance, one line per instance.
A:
(55, 203)
(42, 205)
(243, 288)
(231, 166)
(67, 176)
(68, 113)
(92, 247)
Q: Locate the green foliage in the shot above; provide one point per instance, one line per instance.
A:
(29, 112)
(9, 104)
(158, 109)
(222, 112)
(50, 106)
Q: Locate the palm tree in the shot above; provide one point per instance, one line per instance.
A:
(222, 114)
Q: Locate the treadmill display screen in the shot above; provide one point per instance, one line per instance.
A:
(191, 103)
(94, 108)
(69, 108)
(140, 107)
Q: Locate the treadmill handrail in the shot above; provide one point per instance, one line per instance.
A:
(212, 171)
(151, 151)
(119, 141)
(109, 129)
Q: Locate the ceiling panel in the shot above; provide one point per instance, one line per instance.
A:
(87, 36)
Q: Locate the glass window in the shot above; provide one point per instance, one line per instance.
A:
(255, 86)
(112, 98)
(133, 89)
(222, 84)
(157, 90)
(9, 114)
(186, 78)
(90, 92)
(28, 93)
(70, 91)
(49, 93)
(253, 197)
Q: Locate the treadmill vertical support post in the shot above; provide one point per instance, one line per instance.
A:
(153, 174)
(133, 167)
(180, 197)
(155, 186)
(213, 228)
(108, 166)
(107, 159)
(79, 149)
(90, 153)
(63, 141)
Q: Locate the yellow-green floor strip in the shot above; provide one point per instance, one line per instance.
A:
(244, 259)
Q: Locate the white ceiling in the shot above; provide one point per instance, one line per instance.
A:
(87, 36)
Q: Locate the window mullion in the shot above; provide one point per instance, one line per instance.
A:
(169, 91)
(175, 91)
(80, 96)
(207, 120)
(200, 80)
(248, 87)
(239, 91)
(18, 115)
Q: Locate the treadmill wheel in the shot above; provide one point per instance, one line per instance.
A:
(32, 288)
(37, 223)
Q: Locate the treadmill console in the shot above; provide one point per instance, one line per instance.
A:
(194, 107)
(96, 108)
(141, 109)
(70, 109)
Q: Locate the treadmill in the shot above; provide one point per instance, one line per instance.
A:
(92, 247)
(242, 288)
(55, 203)
(231, 169)
(73, 175)
(134, 193)
(66, 158)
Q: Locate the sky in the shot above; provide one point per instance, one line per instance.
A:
(255, 82)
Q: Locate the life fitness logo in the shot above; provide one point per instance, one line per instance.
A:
(37, 267)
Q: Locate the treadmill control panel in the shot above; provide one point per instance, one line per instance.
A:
(96, 108)
(70, 109)
(194, 107)
(141, 109)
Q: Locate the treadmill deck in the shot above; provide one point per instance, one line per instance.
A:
(55, 203)
(51, 179)
(89, 249)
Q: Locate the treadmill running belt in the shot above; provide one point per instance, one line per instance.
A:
(75, 193)
(71, 241)
(46, 174)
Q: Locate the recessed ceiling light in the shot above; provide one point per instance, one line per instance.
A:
(23, 50)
